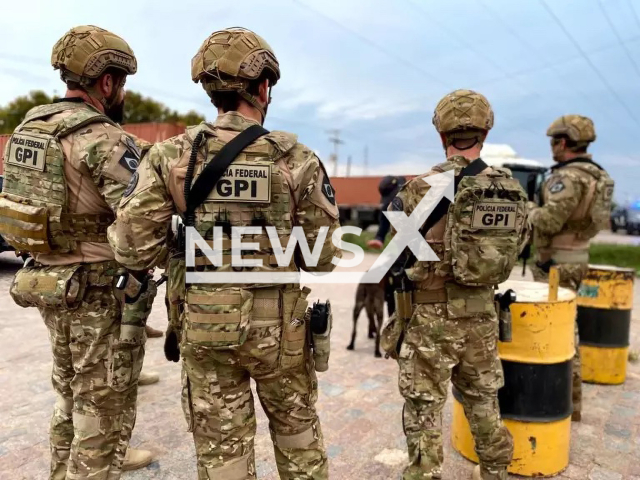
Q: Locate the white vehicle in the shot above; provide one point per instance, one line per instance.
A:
(530, 173)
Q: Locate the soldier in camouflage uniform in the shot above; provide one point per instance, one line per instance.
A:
(67, 166)
(576, 201)
(231, 333)
(451, 330)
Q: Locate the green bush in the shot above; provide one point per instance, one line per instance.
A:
(626, 256)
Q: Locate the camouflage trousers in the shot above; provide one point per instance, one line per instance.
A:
(437, 349)
(570, 277)
(219, 406)
(95, 381)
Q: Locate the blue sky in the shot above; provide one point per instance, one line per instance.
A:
(375, 69)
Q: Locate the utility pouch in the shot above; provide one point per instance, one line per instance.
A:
(404, 304)
(294, 327)
(392, 335)
(49, 286)
(219, 319)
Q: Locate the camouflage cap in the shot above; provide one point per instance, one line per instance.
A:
(228, 59)
(85, 52)
(463, 110)
(579, 129)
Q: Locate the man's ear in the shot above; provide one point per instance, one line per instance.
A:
(106, 84)
(263, 91)
(443, 140)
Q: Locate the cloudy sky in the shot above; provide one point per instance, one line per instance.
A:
(375, 69)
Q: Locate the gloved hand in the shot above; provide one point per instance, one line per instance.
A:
(172, 346)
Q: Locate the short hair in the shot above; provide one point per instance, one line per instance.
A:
(229, 101)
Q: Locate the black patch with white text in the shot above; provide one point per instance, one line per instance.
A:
(132, 184)
(556, 187)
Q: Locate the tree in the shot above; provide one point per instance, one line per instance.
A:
(138, 109)
(15, 111)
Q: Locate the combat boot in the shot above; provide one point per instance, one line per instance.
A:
(152, 332)
(477, 474)
(147, 378)
(135, 459)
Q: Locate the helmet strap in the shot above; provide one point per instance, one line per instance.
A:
(254, 102)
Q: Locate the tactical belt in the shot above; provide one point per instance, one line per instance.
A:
(565, 256)
(571, 256)
(406, 300)
(429, 296)
(226, 260)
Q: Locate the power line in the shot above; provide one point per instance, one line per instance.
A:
(371, 43)
(588, 60)
(553, 66)
(617, 35)
(635, 14)
(470, 46)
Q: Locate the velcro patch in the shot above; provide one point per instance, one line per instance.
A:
(132, 185)
(28, 151)
(397, 205)
(243, 183)
(500, 215)
(556, 187)
(328, 190)
(129, 161)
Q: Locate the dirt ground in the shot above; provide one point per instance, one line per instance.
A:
(359, 406)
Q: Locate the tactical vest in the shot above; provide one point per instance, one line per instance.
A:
(253, 192)
(34, 213)
(485, 228)
(593, 213)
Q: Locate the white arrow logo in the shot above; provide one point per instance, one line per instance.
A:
(407, 236)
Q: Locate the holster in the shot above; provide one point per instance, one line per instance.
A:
(320, 322)
(136, 308)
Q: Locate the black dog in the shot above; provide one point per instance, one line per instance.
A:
(370, 297)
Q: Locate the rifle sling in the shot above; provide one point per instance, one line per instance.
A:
(212, 172)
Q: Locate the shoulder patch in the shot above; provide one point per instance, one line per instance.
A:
(132, 185)
(556, 187)
(397, 205)
(131, 145)
(327, 188)
(129, 160)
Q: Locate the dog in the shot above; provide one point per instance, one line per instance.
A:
(371, 297)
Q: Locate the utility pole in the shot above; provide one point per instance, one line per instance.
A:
(366, 159)
(349, 166)
(334, 137)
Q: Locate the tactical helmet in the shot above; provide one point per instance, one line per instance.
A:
(390, 184)
(85, 52)
(577, 128)
(463, 110)
(230, 59)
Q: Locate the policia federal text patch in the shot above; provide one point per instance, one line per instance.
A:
(494, 215)
(243, 182)
(28, 151)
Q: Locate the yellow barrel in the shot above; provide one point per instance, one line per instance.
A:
(535, 402)
(605, 300)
